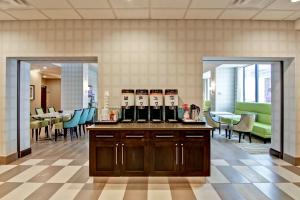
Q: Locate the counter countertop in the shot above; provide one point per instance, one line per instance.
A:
(149, 126)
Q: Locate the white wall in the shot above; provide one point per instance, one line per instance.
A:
(74, 86)
(225, 89)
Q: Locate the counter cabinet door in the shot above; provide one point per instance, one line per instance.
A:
(195, 158)
(104, 159)
(134, 158)
(164, 158)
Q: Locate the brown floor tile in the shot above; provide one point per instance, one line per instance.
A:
(5, 188)
(232, 175)
(13, 172)
(46, 174)
(45, 191)
(80, 176)
(227, 192)
(90, 191)
(181, 189)
(137, 188)
(293, 169)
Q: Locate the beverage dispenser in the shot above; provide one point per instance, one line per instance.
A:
(156, 105)
(142, 105)
(127, 104)
(171, 105)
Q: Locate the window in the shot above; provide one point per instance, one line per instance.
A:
(206, 85)
(264, 83)
(254, 83)
(249, 90)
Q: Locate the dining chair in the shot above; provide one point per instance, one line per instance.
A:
(90, 117)
(83, 119)
(211, 122)
(51, 109)
(36, 125)
(70, 125)
(244, 126)
(40, 111)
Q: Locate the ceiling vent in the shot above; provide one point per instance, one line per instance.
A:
(7, 4)
(250, 4)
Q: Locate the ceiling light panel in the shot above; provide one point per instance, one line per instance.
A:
(130, 3)
(169, 3)
(47, 4)
(90, 3)
(210, 3)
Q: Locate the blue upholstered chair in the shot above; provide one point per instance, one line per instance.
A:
(70, 125)
(83, 119)
(90, 116)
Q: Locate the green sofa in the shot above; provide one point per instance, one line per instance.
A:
(263, 120)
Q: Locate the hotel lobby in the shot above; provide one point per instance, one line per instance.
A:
(149, 99)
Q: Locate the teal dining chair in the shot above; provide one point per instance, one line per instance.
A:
(70, 125)
(90, 116)
(83, 119)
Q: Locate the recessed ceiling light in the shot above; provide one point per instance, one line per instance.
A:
(44, 67)
(293, 1)
(44, 76)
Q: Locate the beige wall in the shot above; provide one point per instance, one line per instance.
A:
(36, 80)
(53, 93)
(152, 53)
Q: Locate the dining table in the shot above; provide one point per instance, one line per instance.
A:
(51, 116)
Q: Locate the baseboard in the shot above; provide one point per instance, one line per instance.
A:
(25, 152)
(8, 159)
(275, 153)
(292, 160)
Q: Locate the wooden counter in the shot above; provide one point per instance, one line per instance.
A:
(149, 149)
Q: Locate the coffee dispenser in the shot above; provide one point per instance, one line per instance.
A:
(142, 105)
(171, 105)
(156, 105)
(127, 105)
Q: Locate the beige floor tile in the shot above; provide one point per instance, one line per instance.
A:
(219, 162)
(64, 174)
(291, 189)
(28, 174)
(205, 191)
(62, 162)
(5, 168)
(22, 191)
(68, 191)
(113, 191)
(288, 175)
(216, 176)
(32, 162)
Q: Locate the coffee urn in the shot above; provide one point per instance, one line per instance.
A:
(127, 104)
(156, 105)
(171, 105)
(142, 105)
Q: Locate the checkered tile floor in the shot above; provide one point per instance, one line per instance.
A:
(60, 171)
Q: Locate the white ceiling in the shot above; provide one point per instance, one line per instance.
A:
(152, 9)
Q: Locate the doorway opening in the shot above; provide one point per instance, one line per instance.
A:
(246, 93)
(45, 85)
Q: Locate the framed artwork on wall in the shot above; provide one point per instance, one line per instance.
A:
(32, 92)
